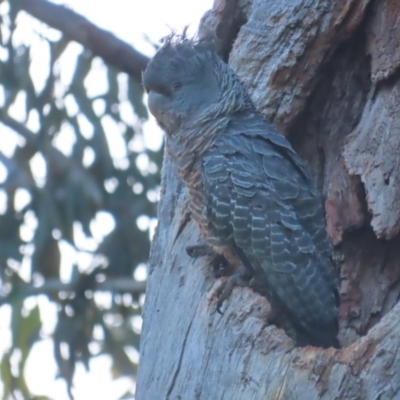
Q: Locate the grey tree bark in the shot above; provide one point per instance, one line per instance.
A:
(326, 72)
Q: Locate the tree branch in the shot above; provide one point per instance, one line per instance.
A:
(53, 155)
(63, 162)
(29, 136)
(102, 43)
(54, 286)
(111, 285)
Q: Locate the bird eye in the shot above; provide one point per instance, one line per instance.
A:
(177, 85)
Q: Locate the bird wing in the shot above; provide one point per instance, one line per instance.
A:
(261, 201)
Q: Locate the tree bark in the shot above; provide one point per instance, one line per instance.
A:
(326, 73)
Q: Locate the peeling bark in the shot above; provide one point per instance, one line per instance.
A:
(307, 68)
(280, 49)
(373, 153)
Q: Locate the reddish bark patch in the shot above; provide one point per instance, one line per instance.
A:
(343, 207)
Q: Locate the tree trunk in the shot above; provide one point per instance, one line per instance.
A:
(325, 73)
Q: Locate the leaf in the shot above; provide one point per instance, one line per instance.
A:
(21, 383)
(25, 330)
(46, 257)
(6, 377)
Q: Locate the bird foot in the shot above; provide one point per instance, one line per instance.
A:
(199, 250)
(240, 278)
(218, 261)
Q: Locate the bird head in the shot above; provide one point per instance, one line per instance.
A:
(188, 84)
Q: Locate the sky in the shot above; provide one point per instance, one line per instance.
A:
(137, 22)
(130, 20)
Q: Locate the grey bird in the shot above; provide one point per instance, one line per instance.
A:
(250, 193)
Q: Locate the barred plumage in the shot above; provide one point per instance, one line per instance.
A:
(250, 192)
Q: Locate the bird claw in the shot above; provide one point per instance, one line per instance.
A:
(241, 278)
(221, 268)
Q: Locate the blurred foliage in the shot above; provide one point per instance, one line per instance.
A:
(79, 181)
